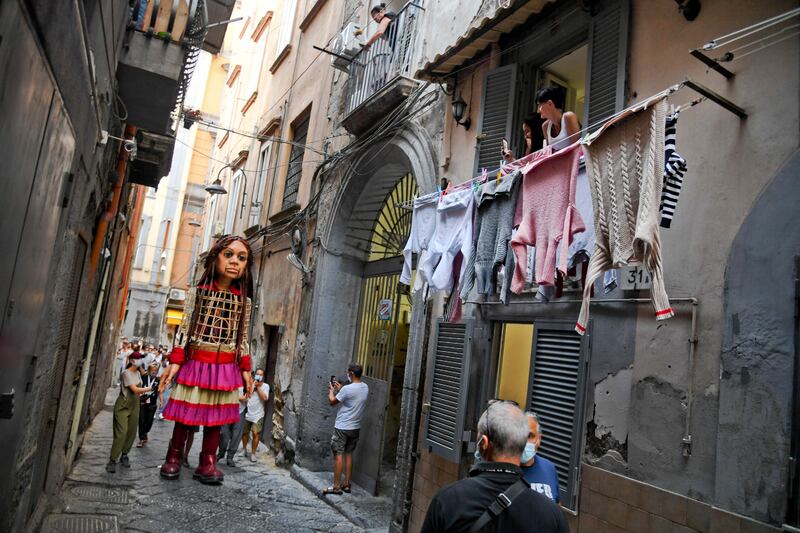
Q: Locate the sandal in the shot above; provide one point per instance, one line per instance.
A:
(346, 488)
(332, 490)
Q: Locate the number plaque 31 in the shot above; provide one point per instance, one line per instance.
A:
(634, 278)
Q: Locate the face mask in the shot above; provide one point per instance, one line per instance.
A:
(349, 378)
(528, 453)
(478, 457)
(259, 378)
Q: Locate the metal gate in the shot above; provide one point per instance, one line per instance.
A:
(380, 339)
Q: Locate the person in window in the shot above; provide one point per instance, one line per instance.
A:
(536, 470)
(559, 128)
(384, 19)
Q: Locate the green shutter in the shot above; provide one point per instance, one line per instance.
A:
(608, 53)
(497, 109)
(447, 389)
(556, 392)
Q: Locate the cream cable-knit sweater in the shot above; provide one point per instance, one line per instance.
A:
(625, 162)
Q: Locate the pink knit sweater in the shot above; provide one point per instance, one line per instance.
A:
(546, 213)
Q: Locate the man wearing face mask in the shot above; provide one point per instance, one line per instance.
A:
(494, 498)
(254, 416)
(536, 470)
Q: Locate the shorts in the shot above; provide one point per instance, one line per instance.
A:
(344, 441)
(256, 427)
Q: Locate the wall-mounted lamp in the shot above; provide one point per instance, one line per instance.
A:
(215, 187)
(459, 108)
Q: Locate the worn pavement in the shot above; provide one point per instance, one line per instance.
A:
(254, 497)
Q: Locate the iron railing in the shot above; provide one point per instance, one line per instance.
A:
(387, 58)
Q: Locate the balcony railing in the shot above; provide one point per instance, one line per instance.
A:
(387, 58)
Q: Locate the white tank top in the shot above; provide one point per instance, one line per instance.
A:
(561, 140)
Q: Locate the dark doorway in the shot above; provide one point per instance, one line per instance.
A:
(272, 335)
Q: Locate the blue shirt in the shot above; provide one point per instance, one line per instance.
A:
(353, 398)
(543, 478)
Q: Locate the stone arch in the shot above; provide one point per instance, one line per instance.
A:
(338, 274)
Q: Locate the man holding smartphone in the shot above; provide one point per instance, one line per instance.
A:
(351, 398)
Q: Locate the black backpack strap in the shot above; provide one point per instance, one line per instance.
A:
(500, 504)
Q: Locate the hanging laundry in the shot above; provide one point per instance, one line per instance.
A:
(674, 169)
(625, 165)
(496, 202)
(546, 213)
(423, 225)
(453, 234)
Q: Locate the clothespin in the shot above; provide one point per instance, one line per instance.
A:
(499, 175)
(484, 175)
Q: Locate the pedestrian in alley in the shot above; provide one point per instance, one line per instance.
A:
(163, 393)
(254, 414)
(351, 398)
(537, 471)
(231, 434)
(126, 414)
(211, 357)
(148, 403)
(494, 498)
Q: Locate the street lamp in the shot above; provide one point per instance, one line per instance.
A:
(216, 188)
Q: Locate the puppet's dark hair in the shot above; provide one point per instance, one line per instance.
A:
(244, 284)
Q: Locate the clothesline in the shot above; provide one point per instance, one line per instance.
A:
(486, 173)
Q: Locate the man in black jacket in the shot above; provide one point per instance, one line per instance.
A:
(481, 501)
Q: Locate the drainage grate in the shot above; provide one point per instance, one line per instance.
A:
(99, 493)
(80, 523)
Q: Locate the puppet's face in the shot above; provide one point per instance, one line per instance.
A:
(232, 261)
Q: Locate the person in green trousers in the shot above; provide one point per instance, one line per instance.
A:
(126, 413)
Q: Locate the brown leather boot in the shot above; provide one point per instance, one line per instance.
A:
(172, 466)
(208, 473)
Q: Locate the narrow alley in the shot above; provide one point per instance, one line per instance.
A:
(255, 496)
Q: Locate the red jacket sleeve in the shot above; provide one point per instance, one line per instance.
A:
(245, 363)
(177, 356)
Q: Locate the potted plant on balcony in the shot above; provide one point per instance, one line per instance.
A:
(190, 116)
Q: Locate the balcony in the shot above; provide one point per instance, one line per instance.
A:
(162, 41)
(380, 78)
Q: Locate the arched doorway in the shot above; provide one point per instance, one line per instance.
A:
(352, 258)
(382, 338)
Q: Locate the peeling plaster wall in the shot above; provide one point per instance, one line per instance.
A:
(731, 161)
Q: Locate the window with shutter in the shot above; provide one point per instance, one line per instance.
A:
(287, 25)
(261, 183)
(295, 164)
(233, 201)
(447, 389)
(557, 395)
(497, 109)
(608, 53)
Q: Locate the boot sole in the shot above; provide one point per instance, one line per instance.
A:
(169, 476)
(208, 480)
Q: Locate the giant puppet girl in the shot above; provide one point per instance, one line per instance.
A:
(211, 356)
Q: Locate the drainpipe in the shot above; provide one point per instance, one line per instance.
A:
(126, 263)
(111, 209)
(87, 363)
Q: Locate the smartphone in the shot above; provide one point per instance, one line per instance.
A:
(333, 380)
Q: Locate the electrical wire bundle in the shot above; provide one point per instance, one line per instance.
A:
(386, 129)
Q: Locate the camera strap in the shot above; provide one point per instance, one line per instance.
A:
(500, 504)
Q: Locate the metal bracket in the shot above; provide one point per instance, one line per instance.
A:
(711, 63)
(716, 98)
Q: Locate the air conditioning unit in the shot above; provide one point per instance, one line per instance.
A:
(346, 46)
(177, 294)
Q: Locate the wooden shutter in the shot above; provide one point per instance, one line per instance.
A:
(447, 389)
(295, 165)
(608, 54)
(556, 392)
(497, 108)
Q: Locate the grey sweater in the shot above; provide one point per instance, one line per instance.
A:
(496, 203)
